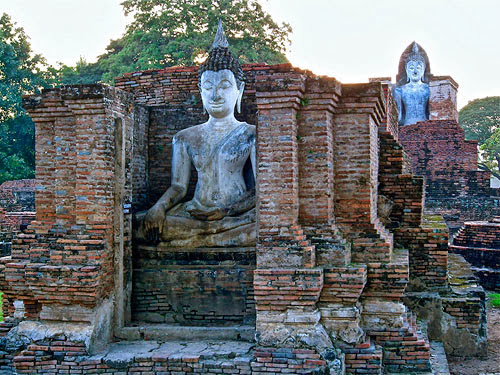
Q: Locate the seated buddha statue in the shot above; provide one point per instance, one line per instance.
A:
(222, 211)
(412, 98)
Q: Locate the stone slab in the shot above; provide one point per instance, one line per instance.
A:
(164, 332)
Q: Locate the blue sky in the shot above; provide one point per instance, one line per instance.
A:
(350, 40)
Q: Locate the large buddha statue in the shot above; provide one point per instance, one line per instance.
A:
(411, 93)
(222, 211)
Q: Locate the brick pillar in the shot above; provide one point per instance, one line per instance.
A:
(315, 148)
(280, 241)
(316, 171)
(443, 98)
(71, 245)
(356, 171)
(286, 285)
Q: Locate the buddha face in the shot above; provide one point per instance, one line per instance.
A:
(415, 70)
(219, 92)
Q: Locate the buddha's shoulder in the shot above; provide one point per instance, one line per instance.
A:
(250, 129)
(189, 134)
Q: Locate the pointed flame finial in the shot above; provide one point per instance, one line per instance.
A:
(220, 38)
(415, 54)
(415, 48)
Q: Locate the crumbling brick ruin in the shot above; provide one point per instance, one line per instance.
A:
(454, 187)
(479, 243)
(343, 247)
(17, 210)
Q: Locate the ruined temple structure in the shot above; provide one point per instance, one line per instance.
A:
(344, 261)
(454, 187)
(436, 146)
(479, 243)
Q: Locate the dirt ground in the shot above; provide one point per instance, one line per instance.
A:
(489, 366)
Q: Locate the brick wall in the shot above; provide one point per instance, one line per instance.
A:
(438, 148)
(454, 187)
(425, 237)
(17, 210)
(18, 195)
(356, 171)
(456, 211)
(479, 243)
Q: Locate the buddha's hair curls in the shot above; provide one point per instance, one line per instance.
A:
(220, 58)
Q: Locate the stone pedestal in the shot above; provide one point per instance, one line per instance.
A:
(199, 287)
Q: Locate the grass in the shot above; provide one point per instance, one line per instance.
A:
(1, 307)
(495, 300)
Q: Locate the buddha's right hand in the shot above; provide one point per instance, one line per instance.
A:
(153, 223)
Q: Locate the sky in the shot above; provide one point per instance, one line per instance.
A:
(351, 40)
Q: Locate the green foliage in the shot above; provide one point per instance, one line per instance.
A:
(481, 121)
(162, 33)
(83, 73)
(494, 299)
(179, 32)
(21, 72)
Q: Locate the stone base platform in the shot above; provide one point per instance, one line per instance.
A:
(193, 287)
(182, 357)
(201, 357)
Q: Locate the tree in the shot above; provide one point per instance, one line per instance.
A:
(21, 72)
(480, 119)
(179, 32)
(83, 73)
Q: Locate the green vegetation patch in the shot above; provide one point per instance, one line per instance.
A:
(495, 300)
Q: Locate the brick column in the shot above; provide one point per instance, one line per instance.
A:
(280, 241)
(443, 98)
(356, 171)
(286, 286)
(62, 268)
(315, 149)
(316, 171)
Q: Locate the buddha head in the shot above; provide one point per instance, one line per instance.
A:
(415, 66)
(220, 79)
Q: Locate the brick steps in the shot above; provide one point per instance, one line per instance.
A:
(388, 280)
(364, 358)
(374, 244)
(406, 349)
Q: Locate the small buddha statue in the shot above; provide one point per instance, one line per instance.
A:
(222, 211)
(412, 97)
